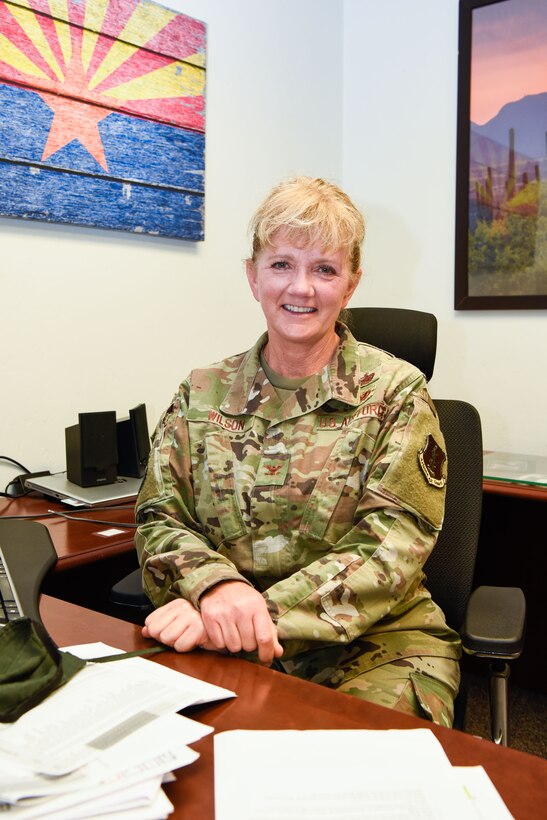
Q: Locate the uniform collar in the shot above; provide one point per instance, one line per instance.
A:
(251, 393)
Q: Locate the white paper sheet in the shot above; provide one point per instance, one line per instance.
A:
(338, 775)
(160, 808)
(151, 752)
(126, 777)
(202, 691)
(92, 803)
(480, 790)
(97, 708)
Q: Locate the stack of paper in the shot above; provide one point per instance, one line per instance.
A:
(346, 775)
(104, 743)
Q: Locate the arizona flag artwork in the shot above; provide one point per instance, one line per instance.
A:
(102, 117)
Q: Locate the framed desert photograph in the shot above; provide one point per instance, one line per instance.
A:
(501, 185)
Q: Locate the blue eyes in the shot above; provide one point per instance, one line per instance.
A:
(323, 269)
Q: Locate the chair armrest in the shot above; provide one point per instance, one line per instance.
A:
(129, 592)
(494, 622)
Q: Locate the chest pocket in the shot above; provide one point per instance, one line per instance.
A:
(329, 486)
(273, 467)
(221, 463)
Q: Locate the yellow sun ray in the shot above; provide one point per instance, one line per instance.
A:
(59, 10)
(15, 58)
(28, 22)
(89, 40)
(118, 54)
(196, 59)
(25, 3)
(173, 80)
(95, 13)
(145, 22)
(94, 17)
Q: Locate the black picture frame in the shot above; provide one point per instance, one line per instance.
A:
(468, 295)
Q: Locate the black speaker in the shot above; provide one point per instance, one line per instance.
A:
(91, 449)
(133, 443)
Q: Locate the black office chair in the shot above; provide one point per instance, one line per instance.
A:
(129, 598)
(408, 334)
(490, 619)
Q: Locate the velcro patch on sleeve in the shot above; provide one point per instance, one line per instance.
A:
(417, 474)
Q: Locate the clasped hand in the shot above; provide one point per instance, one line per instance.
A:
(233, 617)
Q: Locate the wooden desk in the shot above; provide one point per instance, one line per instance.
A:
(532, 492)
(272, 700)
(76, 542)
(88, 563)
(511, 553)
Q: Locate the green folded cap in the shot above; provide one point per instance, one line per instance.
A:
(31, 667)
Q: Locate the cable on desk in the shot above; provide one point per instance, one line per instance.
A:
(52, 513)
(94, 520)
(99, 508)
(17, 463)
(24, 517)
(16, 488)
(14, 481)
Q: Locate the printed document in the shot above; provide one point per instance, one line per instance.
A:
(345, 775)
(103, 744)
(99, 706)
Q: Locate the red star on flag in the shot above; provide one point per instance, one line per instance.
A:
(74, 121)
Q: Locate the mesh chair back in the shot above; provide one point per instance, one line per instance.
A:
(412, 335)
(451, 566)
(407, 334)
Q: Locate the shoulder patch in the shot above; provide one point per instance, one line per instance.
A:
(431, 458)
(416, 473)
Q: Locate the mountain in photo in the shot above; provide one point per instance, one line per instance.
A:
(528, 118)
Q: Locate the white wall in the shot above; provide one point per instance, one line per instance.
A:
(399, 150)
(96, 320)
(360, 91)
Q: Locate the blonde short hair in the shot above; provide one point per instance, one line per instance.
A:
(310, 210)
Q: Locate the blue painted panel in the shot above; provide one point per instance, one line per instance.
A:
(59, 196)
(135, 149)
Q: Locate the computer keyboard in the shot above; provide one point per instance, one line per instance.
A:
(26, 555)
(10, 607)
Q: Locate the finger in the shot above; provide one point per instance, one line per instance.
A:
(164, 615)
(219, 620)
(231, 636)
(208, 645)
(248, 638)
(173, 631)
(158, 617)
(226, 633)
(153, 626)
(167, 624)
(278, 649)
(165, 609)
(213, 630)
(265, 637)
(192, 636)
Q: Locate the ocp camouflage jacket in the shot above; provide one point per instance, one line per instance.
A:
(329, 503)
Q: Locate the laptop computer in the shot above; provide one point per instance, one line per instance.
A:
(57, 486)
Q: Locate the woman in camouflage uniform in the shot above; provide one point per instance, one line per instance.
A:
(295, 491)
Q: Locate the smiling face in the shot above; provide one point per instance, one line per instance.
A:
(301, 288)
